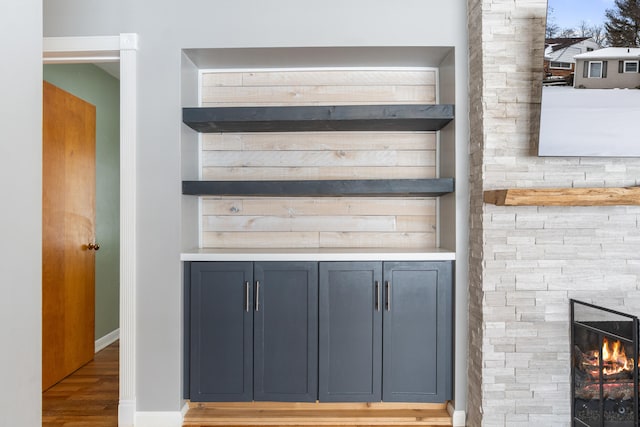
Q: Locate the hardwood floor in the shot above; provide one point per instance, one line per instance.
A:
(88, 397)
(272, 414)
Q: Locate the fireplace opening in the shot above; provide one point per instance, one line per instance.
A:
(604, 368)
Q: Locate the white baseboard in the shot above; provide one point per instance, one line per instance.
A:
(458, 418)
(107, 340)
(126, 413)
(159, 419)
(185, 409)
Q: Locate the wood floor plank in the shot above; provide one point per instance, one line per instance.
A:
(316, 414)
(88, 397)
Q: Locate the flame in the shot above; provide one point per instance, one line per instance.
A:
(614, 358)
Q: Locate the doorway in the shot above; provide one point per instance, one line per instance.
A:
(68, 233)
(99, 88)
(122, 48)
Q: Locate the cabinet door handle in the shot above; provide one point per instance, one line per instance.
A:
(246, 295)
(257, 295)
(387, 303)
(377, 295)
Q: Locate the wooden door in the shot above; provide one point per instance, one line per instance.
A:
(221, 332)
(417, 331)
(285, 351)
(68, 229)
(350, 337)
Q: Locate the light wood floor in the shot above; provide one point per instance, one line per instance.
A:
(88, 397)
(316, 414)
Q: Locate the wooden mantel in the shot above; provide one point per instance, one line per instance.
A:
(564, 196)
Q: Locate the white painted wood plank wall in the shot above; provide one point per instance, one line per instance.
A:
(255, 222)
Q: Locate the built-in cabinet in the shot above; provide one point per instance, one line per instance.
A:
(417, 332)
(350, 332)
(385, 331)
(253, 331)
(327, 331)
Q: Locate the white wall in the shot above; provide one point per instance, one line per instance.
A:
(21, 213)
(165, 27)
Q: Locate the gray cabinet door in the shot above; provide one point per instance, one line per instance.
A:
(286, 331)
(350, 340)
(417, 332)
(221, 331)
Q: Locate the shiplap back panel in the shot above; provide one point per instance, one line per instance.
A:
(340, 87)
(256, 222)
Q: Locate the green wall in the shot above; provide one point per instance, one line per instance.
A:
(97, 87)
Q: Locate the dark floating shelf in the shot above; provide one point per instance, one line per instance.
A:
(319, 118)
(325, 188)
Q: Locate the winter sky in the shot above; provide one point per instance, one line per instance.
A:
(569, 13)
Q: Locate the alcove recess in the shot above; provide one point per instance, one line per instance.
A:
(220, 120)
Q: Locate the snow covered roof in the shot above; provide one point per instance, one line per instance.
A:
(611, 53)
(564, 49)
(562, 42)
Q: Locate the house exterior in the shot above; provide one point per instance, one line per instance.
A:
(517, 266)
(609, 68)
(559, 54)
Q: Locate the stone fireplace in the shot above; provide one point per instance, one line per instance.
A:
(604, 370)
(527, 262)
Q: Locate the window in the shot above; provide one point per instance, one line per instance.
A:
(595, 69)
(589, 49)
(562, 65)
(630, 66)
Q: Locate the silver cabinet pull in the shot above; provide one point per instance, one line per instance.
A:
(246, 295)
(387, 303)
(257, 295)
(377, 295)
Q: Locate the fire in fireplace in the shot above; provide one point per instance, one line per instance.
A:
(604, 368)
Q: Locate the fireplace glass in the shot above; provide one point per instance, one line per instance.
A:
(604, 369)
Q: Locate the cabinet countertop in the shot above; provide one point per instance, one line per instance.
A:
(315, 254)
